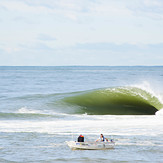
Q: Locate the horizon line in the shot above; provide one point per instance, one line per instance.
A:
(81, 66)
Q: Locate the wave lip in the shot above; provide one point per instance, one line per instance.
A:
(117, 101)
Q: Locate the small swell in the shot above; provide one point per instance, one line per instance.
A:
(21, 115)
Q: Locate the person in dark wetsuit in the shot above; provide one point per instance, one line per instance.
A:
(81, 138)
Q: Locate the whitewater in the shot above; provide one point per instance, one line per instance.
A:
(42, 107)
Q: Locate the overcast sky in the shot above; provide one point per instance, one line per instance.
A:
(81, 32)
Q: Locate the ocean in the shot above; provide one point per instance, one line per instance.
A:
(42, 107)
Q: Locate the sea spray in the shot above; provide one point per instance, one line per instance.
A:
(159, 113)
(148, 88)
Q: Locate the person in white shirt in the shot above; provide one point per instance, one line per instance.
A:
(101, 138)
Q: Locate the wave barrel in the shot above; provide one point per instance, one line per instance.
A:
(116, 101)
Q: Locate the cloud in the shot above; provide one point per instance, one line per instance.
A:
(21, 6)
(84, 54)
(123, 49)
(147, 8)
(24, 19)
(6, 49)
(45, 37)
(69, 9)
(75, 9)
(38, 46)
(113, 8)
(2, 7)
(1, 51)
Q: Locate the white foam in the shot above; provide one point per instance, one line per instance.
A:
(109, 125)
(27, 110)
(159, 113)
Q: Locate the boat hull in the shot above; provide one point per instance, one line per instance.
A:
(90, 145)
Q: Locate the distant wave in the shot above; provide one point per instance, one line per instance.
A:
(25, 113)
(22, 115)
(117, 101)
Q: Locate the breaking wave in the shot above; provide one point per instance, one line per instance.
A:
(117, 101)
(125, 100)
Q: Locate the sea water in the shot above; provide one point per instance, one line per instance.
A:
(42, 107)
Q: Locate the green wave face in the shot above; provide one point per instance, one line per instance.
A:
(117, 101)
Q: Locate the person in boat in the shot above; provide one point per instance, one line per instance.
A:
(81, 138)
(101, 138)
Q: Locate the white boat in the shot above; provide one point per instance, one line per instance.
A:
(90, 145)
